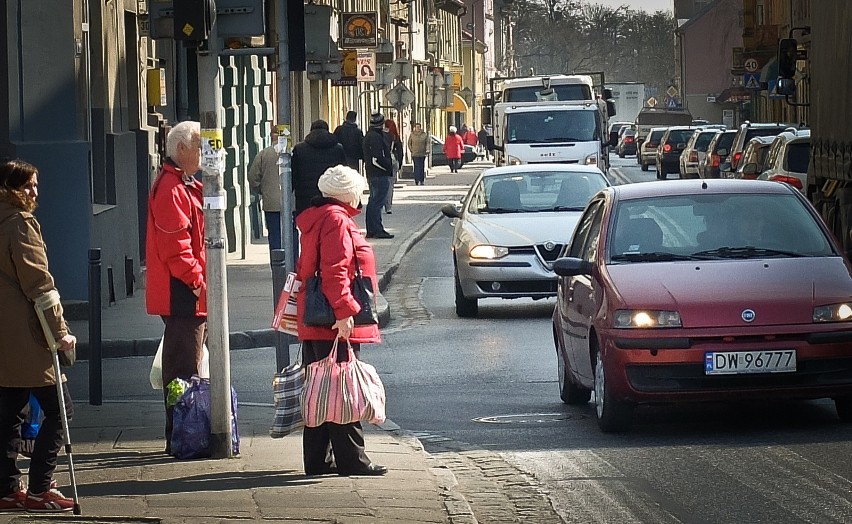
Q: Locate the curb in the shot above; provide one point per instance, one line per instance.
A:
(147, 347)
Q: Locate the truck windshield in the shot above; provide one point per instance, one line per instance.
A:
(552, 126)
(563, 92)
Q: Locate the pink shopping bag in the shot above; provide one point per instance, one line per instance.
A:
(342, 392)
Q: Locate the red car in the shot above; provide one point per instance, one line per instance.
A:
(702, 290)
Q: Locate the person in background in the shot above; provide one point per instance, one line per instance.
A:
(176, 287)
(330, 242)
(352, 139)
(319, 151)
(418, 147)
(263, 179)
(482, 138)
(379, 167)
(453, 149)
(392, 134)
(469, 138)
(26, 363)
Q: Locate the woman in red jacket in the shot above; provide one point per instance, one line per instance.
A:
(453, 149)
(330, 241)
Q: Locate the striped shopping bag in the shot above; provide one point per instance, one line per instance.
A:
(286, 394)
(342, 392)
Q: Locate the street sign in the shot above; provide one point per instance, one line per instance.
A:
(751, 81)
(400, 97)
(402, 69)
(359, 29)
(366, 66)
(671, 91)
(672, 103)
(751, 65)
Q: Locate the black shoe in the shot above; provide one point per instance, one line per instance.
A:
(330, 470)
(381, 234)
(373, 470)
(389, 212)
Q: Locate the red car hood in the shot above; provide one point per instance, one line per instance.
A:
(715, 293)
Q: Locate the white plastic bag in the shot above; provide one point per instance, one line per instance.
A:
(156, 375)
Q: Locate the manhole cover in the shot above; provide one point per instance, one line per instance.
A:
(529, 418)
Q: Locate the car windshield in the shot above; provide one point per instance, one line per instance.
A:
(560, 92)
(553, 126)
(715, 226)
(798, 157)
(532, 192)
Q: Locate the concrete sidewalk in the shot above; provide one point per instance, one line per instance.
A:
(123, 475)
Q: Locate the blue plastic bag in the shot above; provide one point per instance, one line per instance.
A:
(191, 422)
(29, 429)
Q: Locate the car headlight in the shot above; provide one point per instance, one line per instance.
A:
(833, 313)
(488, 252)
(646, 319)
(592, 160)
(513, 161)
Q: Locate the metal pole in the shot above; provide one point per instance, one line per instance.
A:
(95, 353)
(282, 348)
(213, 163)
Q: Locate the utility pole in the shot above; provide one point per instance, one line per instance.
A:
(282, 350)
(215, 241)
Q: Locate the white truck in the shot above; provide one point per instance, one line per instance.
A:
(557, 118)
(629, 99)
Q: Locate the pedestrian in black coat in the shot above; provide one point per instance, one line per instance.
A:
(352, 139)
(310, 159)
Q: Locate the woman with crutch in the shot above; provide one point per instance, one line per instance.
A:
(26, 363)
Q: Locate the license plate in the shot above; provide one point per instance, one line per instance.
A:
(745, 362)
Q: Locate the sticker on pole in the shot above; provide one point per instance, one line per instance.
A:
(283, 144)
(212, 150)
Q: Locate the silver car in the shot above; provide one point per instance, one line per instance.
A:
(514, 222)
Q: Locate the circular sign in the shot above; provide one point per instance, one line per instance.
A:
(751, 65)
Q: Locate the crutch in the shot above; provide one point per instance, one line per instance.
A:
(44, 303)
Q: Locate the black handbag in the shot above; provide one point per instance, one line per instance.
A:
(318, 312)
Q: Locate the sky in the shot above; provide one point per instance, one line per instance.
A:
(637, 5)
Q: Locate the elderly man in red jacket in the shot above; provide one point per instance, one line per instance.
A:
(175, 258)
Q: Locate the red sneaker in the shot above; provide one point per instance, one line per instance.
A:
(13, 501)
(51, 501)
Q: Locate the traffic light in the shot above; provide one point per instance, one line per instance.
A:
(193, 20)
(787, 57)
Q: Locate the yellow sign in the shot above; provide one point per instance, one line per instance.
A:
(188, 29)
(156, 86)
(212, 139)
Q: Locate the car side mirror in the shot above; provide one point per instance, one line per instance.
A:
(571, 267)
(750, 169)
(451, 210)
(610, 108)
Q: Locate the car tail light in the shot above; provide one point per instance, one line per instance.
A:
(793, 181)
(667, 148)
(693, 157)
(736, 160)
(714, 160)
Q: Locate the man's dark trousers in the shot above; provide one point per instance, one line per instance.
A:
(379, 186)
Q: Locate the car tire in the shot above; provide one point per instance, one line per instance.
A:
(843, 406)
(644, 166)
(621, 154)
(568, 392)
(613, 416)
(465, 307)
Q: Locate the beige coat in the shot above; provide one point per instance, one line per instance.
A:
(418, 144)
(25, 360)
(263, 178)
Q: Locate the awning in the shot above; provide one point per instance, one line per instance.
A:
(459, 105)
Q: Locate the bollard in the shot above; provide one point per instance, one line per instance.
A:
(129, 276)
(279, 276)
(95, 356)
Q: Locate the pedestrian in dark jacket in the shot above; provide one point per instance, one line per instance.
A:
(26, 364)
(310, 159)
(176, 282)
(392, 136)
(352, 139)
(379, 166)
(331, 242)
(482, 138)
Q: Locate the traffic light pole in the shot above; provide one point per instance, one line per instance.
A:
(282, 349)
(215, 240)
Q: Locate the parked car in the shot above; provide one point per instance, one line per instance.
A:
(745, 132)
(695, 150)
(647, 155)
(754, 158)
(788, 159)
(686, 291)
(440, 159)
(626, 142)
(717, 149)
(615, 131)
(672, 144)
(513, 223)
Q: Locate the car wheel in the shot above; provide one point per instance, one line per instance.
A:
(613, 416)
(568, 392)
(621, 154)
(465, 307)
(644, 166)
(843, 405)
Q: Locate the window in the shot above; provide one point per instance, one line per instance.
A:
(553, 126)
(584, 228)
